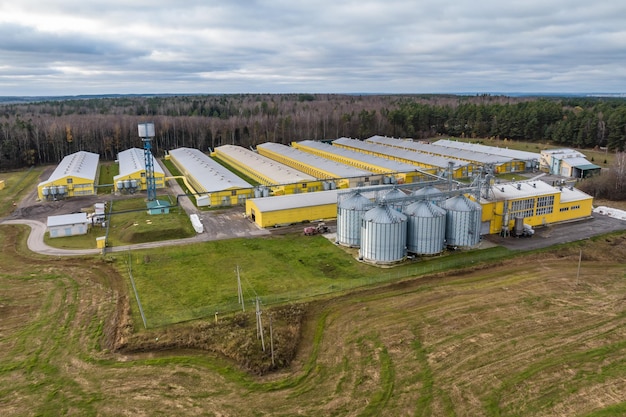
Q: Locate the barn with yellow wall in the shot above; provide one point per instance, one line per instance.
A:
(280, 178)
(211, 183)
(132, 172)
(76, 175)
(397, 171)
(292, 208)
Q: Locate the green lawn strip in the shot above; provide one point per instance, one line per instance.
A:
(591, 357)
(609, 411)
(380, 398)
(425, 396)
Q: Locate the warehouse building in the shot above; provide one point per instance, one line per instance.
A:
(76, 175)
(292, 208)
(441, 165)
(521, 160)
(397, 171)
(567, 163)
(342, 175)
(210, 182)
(532, 202)
(280, 178)
(132, 172)
(68, 225)
(498, 162)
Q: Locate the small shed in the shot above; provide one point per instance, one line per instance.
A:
(68, 225)
(158, 207)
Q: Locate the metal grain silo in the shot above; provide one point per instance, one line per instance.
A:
(349, 214)
(463, 219)
(426, 228)
(395, 199)
(428, 193)
(383, 235)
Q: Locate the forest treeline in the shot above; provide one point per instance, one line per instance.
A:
(44, 132)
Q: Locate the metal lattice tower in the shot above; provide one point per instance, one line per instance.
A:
(146, 132)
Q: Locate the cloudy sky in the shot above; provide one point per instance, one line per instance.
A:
(69, 47)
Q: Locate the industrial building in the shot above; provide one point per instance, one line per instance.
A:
(292, 208)
(441, 165)
(398, 172)
(210, 182)
(341, 175)
(132, 172)
(521, 160)
(499, 163)
(567, 163)
(68, 225)
(532, 202)
(280, 178)
(76, 175)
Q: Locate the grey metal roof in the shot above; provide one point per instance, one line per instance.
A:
(276, 172)
(295, 201)
(133, 160)
(417, 157)
(440, 150)
(67, 219)
(490, 150)
(337, 169)
(80, 164)
(211, 175)
(581, 163)
(373, 160)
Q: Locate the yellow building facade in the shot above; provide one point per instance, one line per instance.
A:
(76, 175)
(132, 172)
(536, 202)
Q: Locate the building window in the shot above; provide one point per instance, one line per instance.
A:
(304, 185)
(576, 207)
(522, 208)
(562, 209)
(233, 192)
(545, 205)
(70, 180)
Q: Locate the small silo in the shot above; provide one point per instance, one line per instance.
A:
(383, 235)
(395, 199)
(463, 220)
(349, 214)
(428, 193)
(426, 228)
(120, 185)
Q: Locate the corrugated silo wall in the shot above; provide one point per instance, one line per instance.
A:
(383, 242)
(463, 227)
(426, 235)
(349, 226)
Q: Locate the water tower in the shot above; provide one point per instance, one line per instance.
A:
(146, 133)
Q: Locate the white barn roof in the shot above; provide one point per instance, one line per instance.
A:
(81, 164)
(67, 219)
(211, 175)
(490, 150)
(440, 150)
(391, 165)
(417, 157)
(133, 160)
(522, 189)
(275, 171)
(295, 201)
(336, 168)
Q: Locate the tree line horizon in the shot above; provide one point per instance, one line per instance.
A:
(43, 132)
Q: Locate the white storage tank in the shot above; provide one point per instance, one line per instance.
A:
(463, 221)
(426, 228)
(120, 185)
(350, 211)
(383, 235)
(395, 194)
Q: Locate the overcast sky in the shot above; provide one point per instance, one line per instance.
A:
(69, 47)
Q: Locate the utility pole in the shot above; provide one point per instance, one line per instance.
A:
(259, 323)
(271, 340)
(240, 292)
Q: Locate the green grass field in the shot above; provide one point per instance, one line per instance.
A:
(180, 283)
